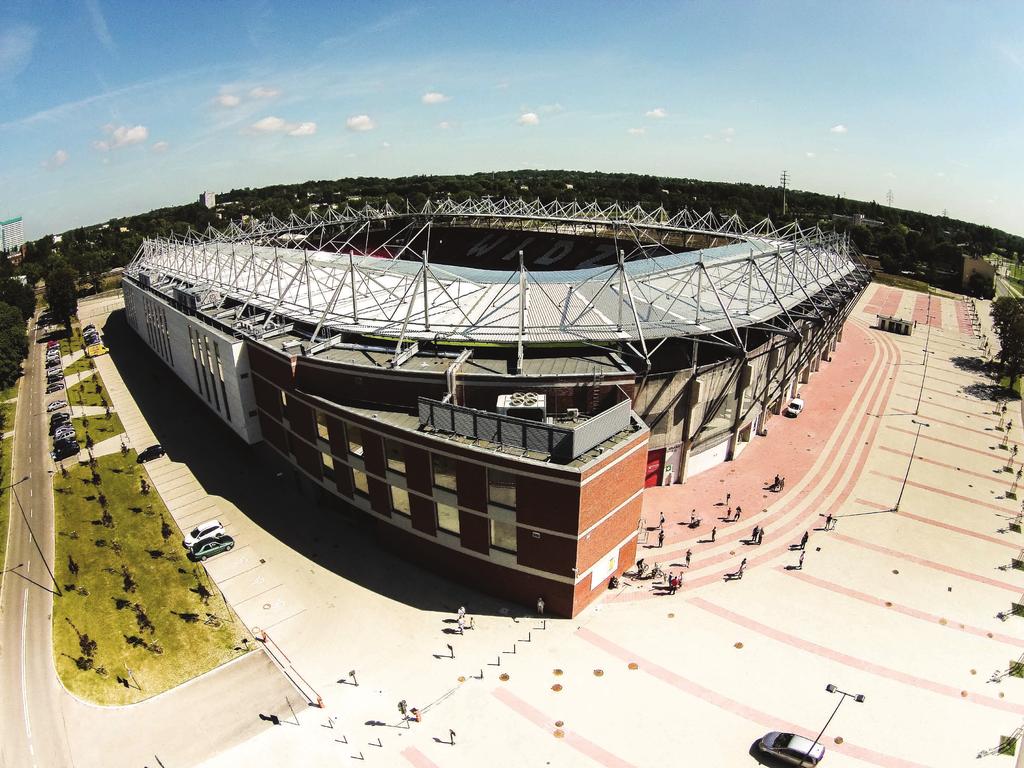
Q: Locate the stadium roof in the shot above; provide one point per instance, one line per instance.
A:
(761, 277)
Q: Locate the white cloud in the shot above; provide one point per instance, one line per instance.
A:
(121, 136)
(840, 128)
(444, 125)
(99, 24)
(657, 113)
(728, 134)
(552, 109)
(16, 45)
(56, 160)
(386, 144)
(228, 100)
(303, 129)
(890, 175)
(528, 118)
(269, 124)
(360, 123)
(636, 131)
(811, 155)
(433, 97)
(274, 124)
(262, 92)
(159, 146)
(940, 175)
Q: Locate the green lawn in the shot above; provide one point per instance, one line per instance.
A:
(900, 281)
(7, 451)
(7, 410)
(1017, 384)
(89, 392)
(81, 365)
(69, 344)
(131, 573)
(98, 427)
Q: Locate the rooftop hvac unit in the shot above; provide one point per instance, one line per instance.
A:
(524, 405)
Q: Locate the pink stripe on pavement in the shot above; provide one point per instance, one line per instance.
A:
(928, 563)
(938, 523)
(418, 759)
(763, 719)
(933, 462)
(853, 661)
(574, 740)
(906, 610)
(958, 446)
(948, 494)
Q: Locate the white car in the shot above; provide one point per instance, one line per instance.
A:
(56, 405)
(202, 531)
(795, 408)
(798, 750)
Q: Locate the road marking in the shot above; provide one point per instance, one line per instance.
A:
(24, 685)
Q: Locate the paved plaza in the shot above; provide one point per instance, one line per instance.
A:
(901, 606)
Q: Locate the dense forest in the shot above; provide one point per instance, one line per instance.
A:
(906, 242)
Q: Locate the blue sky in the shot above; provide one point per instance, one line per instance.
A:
(112, 108)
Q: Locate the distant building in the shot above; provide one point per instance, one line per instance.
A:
(978, 265)
(208, 199)
(857, 219)
(12, 235)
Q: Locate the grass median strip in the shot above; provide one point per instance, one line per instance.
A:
(97, 427)
(89, 392)
(81, 365)
(136, 617)
(6, 458)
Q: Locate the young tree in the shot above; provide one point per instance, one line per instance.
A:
(62, 293)
(1008, 320)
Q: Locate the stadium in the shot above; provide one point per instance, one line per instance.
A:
(491, 384)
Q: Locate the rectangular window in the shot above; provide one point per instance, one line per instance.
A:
(400, 501)
(501, 488)
(327, 464)
(355, 439)
(321, 426)
(359, 482)
(395, 453)
(444, 472)
(503, 535)
(284, 401)
(447, 518)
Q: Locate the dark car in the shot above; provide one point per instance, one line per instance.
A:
(58, 418)
(63, 449)
(153, 452)
(205, 548)
(56, 386)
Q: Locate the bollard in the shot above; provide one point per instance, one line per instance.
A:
(320, 702)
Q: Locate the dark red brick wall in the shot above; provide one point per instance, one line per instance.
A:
(268, 397)
(599, 541)
(301, 420)
(475, 533)
(584, 595)
(417, 470)
(349, 384)
(274, 433)
(519, 587)
(548, 505)
(471, 481)
(343, 479)
(423, 518)
(609, 489)
(547, 553)
(271, 365)
(373, 453)
(307, 456)
(380, 496)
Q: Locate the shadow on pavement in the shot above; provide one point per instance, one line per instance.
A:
(269, 491)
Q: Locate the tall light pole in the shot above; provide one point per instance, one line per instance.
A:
(927, 341)
(784, 180)
(911, 462)
(858, 697)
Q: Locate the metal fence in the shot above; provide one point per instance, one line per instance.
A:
(561, 442)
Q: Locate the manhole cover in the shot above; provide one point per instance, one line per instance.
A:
(943, 622)
(266, 606)
(634, 665)
(838, 739)
(559, 723)
(503, 677)
(556, 687)
(888, 603)
(896, 572)
(557, 672)
(559, 734)
(964, 694)
(598, 672)
(974, 671)
(462, 679)
(671, 615)
(737, 645)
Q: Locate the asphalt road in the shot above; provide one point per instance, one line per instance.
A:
(32, 728)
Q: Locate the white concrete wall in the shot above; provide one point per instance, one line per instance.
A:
(214, 365)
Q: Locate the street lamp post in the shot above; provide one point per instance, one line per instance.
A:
(910, 463)
(858, 697)
(927, 341)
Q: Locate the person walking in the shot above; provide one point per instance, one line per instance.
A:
(743, 566)
(760, 536)
(462, 624)
(753, 534)
(451, 737)
(803, 540)
(661, 522)
(739, 511)
(728, 514)
(672, 585)
(714, 532)
(728, 496)
(776, 485)
(540, 606)
(800, 564)
(661, 538)
(689, 554)
(693, 518)
(462, 612)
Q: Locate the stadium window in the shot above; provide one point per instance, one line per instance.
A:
(321, 426)
(447, 518)
(503, 536)
(355, 439)
(400, 501)
(395, 453)
(444, 472)
(327, 464)
(501, 488)
(359, 482)
(284, 400)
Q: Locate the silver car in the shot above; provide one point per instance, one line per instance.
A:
(798, 750)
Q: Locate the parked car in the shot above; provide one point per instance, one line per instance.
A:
(89, 327)
(792, 748)
(795, 408)
(212, 546)
(57, 386)
(64, 433)
(58, 425)
(202, 531)
(153, 452)
(56, 405)
(95, 350)
(53, 344)
(62, 451)
(56, 418)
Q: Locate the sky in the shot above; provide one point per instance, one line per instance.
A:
(114, 108)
